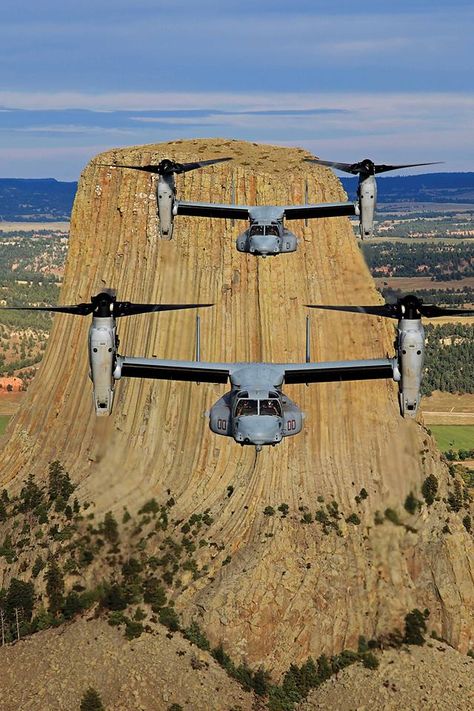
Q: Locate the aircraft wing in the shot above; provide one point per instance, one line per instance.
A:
(210, 209)
(339, 370)
(193, 370)
(335, 209)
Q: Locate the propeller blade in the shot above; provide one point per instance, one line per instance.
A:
(345, 167)
(77, 309)
(126, 308)
(385, 168)
(432, 311)
(387, 310)
(185, 167)
(145, 168)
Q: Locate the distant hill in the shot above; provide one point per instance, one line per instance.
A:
(429, 187)
(33, 200)
(46, 199)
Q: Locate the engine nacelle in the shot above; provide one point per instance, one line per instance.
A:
(102, 354)
(165, 196)
(367, 194)
(220, 418)
(411, 347)
(292, 417)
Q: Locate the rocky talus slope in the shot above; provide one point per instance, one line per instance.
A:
(291, 586)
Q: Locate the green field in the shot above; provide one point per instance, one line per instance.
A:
(453, 436)
(4, 420)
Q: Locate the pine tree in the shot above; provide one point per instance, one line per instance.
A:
(54, 587)
(91, 701)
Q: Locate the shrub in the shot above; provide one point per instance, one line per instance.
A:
(269, 511)
(391, 515)
(110, 528)
(196, 636)
(31, 495)
(59, 483)
(20, 594)
(151, 506)
(284, 509)
(467, 523)
(37, 566)
(307, 517)
(363, 493)
(114, 598)
(429, 489)
(169, 618)
(154, 594)
(354, 519)
(54, 587)
(455, 498)
(369, 660)
(411, 504)
(91, 701)
(133, 629)
(378, 518)
(415, 627)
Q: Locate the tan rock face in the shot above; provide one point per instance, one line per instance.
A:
(289, 589)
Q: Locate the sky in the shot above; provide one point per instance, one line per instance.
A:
(392, 81)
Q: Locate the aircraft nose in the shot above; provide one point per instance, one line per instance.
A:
(258, 429)
(265, 244)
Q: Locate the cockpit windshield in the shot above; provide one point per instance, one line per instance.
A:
(246, 407)
(270, 407)
(264, 230)
(265, 406)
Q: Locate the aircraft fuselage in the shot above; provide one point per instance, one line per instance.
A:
(256, 417)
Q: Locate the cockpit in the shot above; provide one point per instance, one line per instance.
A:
(270, 405)
(264, 230)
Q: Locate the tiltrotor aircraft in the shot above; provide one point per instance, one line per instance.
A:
(103, 339)
(165, 187)
(410, 341)
(367, 187)
(266, 234)
(255, 411)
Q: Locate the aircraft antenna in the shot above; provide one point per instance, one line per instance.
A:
(198, 338)
(308, 343)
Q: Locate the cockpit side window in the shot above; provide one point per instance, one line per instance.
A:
(272, 230)
(246, 407)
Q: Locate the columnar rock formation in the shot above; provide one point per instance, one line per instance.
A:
(288, 590)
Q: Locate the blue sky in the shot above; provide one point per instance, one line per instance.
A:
(389, 80)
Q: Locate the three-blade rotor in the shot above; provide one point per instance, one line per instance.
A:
(408, 307)
(168, 167)
(364, 167)
(104, 305)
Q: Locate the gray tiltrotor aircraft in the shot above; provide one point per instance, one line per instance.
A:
(255, 411)
(410, 342)
(367, 188)
(103, 339)
(165, 187)
(266, 234)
